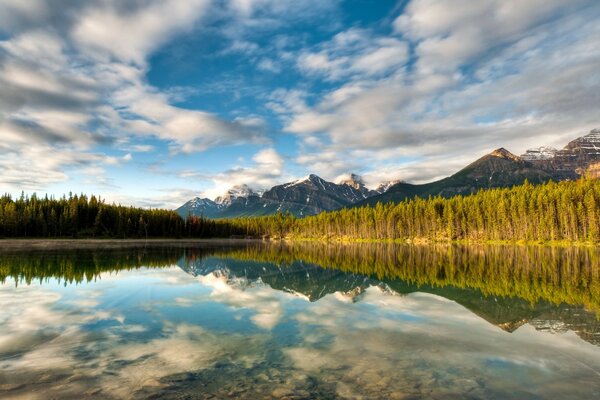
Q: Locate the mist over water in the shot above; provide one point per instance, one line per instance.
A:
(301, 321)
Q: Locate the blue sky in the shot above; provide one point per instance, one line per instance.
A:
(152, 102)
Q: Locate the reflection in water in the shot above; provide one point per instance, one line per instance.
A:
(303, 321)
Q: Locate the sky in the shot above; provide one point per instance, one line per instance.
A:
(153, 102)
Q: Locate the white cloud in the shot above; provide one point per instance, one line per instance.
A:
(485, 75)
(241, 294)
(73, 77)
(451, 33)
(355, 53)
(269, 65)
(106, 30)
(265, 170)
(443, 77)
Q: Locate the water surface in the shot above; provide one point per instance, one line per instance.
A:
(301, 321)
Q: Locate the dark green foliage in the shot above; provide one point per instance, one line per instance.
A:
(552, 211)
(568, 211)
(80, 216)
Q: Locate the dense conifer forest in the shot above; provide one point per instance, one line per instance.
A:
(568, 211)
(563, 211)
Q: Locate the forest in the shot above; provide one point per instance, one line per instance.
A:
(554, 211)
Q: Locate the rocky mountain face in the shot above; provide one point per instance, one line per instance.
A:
(199, 206)
(385, 186)
(501, 168)
(313, 194)
(307, 196)
(573, 160)
(356, 182)
(539, 154)
(237, 194)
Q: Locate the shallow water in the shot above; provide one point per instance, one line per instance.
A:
(302, 321)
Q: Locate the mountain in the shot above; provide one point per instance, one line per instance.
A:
(235, 200)
(501, 168)
(574, 159)
(237, 194)
(385, 186)
(539, 154)
(357, 182)
(198, 206)
(302, 197)
(313, 194)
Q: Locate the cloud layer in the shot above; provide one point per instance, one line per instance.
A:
(73, 78)
(413, 94)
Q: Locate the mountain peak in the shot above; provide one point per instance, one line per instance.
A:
(503, 153)
(235, 192)
(353, 180)
(312, 178)
(593, 136)
(200, 201)
(539, 153)
(384, 187)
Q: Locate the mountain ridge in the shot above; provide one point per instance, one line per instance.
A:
(313, 194)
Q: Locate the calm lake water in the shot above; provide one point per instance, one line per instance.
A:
(303, 321)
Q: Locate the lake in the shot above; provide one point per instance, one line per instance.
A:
(301, 321)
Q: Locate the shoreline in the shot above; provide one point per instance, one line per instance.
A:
(57, 244)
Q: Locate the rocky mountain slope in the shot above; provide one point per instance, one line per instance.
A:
(501, 168)
(199, 206)
(302, 197)
(574, 159)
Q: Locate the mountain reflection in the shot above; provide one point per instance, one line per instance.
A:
(552, 288)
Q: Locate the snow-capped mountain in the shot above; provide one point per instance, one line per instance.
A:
(575, 159)
(384, 187)
(356, 182)
(501, 168)
(539, 153)
(307, 196)
(313, 194)
(200, 207)
(238, 193)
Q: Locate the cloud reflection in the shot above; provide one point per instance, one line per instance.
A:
(129, 336)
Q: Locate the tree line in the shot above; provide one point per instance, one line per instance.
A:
(82, 216)
(554, 211)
